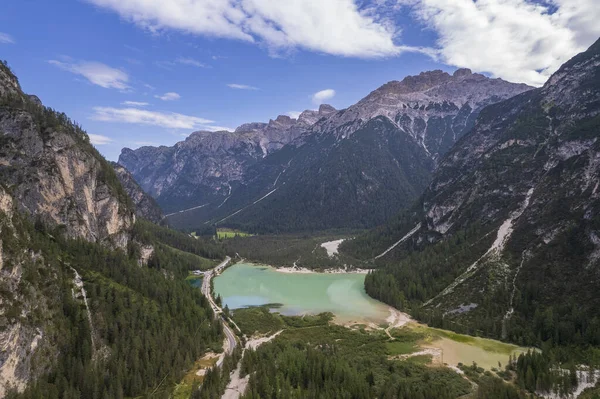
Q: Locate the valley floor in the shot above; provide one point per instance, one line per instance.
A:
(398, 338)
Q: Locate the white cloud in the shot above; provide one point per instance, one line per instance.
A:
(241, 87)
(134, 103)
(338, 27)
(96, 73)
(170, 96)
(517, 40)
(212, 128)
(294, 114)
(169, 65)
(6, 38)
(98, 139)
(145, 117)
(321, 96)
(190, 61)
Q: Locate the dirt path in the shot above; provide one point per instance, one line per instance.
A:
(237, 385)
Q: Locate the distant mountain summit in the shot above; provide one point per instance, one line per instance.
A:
(354, 167)
(434, 108)
(145, 206)
(208, 166)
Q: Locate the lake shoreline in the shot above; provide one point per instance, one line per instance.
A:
(304, 270)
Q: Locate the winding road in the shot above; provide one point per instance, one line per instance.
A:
(208, 275)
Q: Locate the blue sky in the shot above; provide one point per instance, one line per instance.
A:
(150, 72)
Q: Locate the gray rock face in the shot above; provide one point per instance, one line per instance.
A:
(145, 206)
(9, 82)
(55, 174)
(545, 130)
(434, 108)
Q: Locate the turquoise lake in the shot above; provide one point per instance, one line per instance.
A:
(243, 285)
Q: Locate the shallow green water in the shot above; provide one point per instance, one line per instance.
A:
(243, 285)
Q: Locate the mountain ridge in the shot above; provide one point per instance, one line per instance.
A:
(428, 111)
(509, 223)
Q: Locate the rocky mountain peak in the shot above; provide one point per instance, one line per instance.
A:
(326, 109)
(413, 84)
(577, 81)
(282, 121)
(434, 107)
(421, 82)
(251, 127)
(207, 163)
(310, 117)
(462, 72)
(427, 113)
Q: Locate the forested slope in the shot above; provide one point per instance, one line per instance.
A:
(92, 303)
(508, 239)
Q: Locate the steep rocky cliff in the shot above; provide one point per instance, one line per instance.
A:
(530, 170)
(53, 172)
(50, 177)
(145, 206)
(505, 238)
(350, 168)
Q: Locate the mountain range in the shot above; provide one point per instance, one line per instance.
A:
(350, 168)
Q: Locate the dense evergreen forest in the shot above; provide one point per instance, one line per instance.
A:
(567, 331)
(314, 359)
(144, 331)
(415, 275)
(203, 245)
(216, 379)
(298, 370)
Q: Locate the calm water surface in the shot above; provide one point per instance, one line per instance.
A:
(344, 295)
